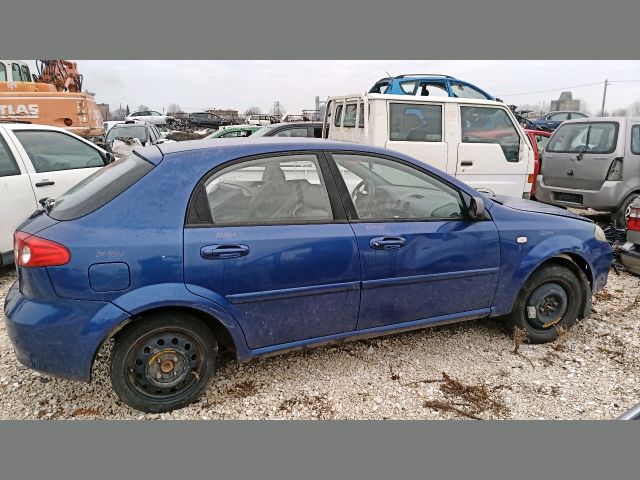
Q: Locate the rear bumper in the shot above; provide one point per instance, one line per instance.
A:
(606, 199)
(59, 336)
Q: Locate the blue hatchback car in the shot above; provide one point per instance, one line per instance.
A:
(268, 245)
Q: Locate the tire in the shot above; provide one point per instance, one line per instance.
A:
(163, 361)
(549, 286)
(620, 217)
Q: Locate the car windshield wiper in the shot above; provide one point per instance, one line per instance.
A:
(586, 145)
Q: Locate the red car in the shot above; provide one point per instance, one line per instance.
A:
(538, 139)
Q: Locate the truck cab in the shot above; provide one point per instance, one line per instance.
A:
(478, 141)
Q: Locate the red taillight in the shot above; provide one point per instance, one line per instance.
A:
(634, 219)
(32, 251)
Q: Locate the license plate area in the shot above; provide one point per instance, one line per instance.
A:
(569, 198)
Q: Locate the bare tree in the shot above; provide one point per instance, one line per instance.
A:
(634, 109)
(620, 112)
(142, 108)
(252, 111)
(173, 108)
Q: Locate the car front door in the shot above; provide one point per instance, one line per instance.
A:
(264, 240)
(493, 157)
(57, 160)
(422, 258)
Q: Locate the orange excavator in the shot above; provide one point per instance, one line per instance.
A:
(52, 97)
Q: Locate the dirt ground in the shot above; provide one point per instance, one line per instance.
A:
(466, 371)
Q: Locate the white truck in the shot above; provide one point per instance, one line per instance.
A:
(478, 141)
(37, 162)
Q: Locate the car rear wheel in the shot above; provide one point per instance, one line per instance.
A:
(550, 299)
(163, 361)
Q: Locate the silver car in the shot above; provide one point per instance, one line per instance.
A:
(593, 163)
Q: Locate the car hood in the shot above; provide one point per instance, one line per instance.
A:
(537, 207)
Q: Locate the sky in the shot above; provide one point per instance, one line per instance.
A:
(240, 84)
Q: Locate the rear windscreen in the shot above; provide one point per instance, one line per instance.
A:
(100, 188)
(588, 137)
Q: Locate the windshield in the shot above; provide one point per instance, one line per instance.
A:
(100, 188)
(572, 138)
(134, 131)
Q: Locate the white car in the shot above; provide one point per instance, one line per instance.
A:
(150, 116)
(38, 162)
(260, 120)
(478, 141)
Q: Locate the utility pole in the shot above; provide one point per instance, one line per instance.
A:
(604, 97)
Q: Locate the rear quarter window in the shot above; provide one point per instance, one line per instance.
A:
(100, 188)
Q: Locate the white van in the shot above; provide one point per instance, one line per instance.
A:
(478, 141)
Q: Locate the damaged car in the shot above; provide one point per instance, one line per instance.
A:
(262, 246)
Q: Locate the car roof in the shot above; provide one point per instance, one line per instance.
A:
(355, 97)
(210, 153)
(602, 119)
(31, 126)
(250, 145)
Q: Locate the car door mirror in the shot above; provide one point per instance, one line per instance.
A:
(109, 157)
(477, 210)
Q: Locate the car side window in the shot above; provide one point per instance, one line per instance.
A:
(338, 117)
(54, 151)
(292, 132)
(559, 117)
(281, 189)
(415, 123)
(8, 165)
(349, 119)
(490, 125)
(461, 90)
(635, 139)
(383, 189)
(3, 72)
(155, 114)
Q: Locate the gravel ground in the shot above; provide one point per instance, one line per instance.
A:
(461, 371)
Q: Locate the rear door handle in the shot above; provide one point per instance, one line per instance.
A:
(387, 243)
(45, 183)
(218, 251)
(466, 164)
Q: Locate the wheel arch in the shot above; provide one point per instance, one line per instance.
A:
(579, 266)
(227, 332)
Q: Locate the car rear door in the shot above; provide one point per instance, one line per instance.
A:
(18, 198)
(264, 240)
(57, 160)
(567, 164)
(493, 156)
(421, 257)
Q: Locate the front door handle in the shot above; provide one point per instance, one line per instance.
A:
(387, 243)
(466, 163)
(217, 251)
(45, 183)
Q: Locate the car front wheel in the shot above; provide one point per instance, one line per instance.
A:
(550, 299)
(163, 361)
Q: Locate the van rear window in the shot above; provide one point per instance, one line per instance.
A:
(100, 188)
(584, 137)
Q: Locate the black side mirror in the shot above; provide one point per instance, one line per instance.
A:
(110, 157)
(477, 211)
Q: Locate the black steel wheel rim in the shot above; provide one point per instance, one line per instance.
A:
(547, 305)
(166, 363)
